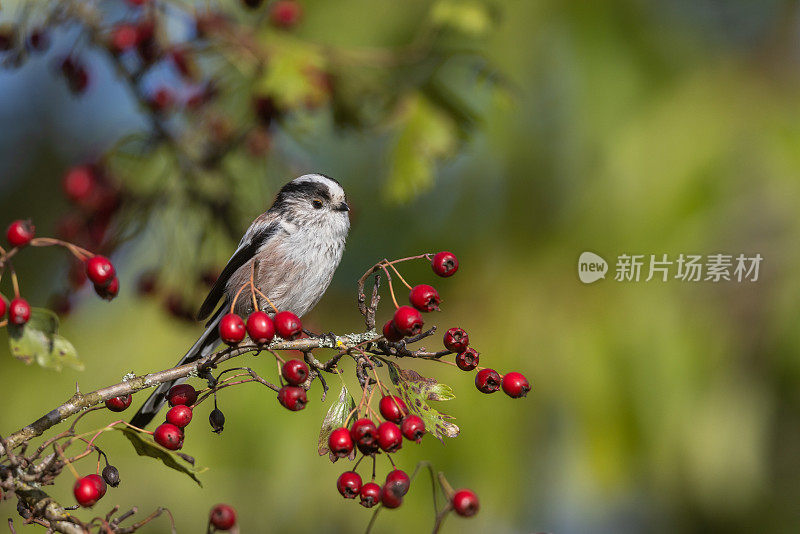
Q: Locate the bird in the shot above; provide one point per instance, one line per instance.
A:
(292, 251)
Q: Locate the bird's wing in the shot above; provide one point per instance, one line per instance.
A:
(259, 233)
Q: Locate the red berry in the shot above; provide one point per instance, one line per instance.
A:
(3, 306)
(468, 359)
(465, 503)
(288, 325)
(340, 443)
(181, 394)
(123, 37)
(364, 432)
(398, 482)
(119, 404)
(99, 483)
(285, 13)
(19, 311)
(110, 291)
(260, 327)
(292, 398)
(413, 428)
(295, 372)
(169, 436)
(179, 415)
(100, 270)
(392, 408)
(456, 340)
(424, 298)
(79, 183)
(39, 39)
(390, 499)
(408, 321)
(231, 329)
(391, 333)
(445, 264)
(349, 484)
(487, 381)
(20, 233)
(389, 437)
(515, 385)
(370, 494)
(86, 492)
(76, 74)
(162, 100)
(223, 517)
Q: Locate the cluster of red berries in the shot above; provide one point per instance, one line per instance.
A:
(170, 434)
(260, 327)
(91, 488)
(96, 198)
(222, 517)
(102, 274)
(370, 439)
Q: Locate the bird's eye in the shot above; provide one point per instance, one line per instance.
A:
(317, 204)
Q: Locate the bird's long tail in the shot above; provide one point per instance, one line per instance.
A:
(203, 347)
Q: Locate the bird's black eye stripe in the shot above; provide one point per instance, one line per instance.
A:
(317, 203)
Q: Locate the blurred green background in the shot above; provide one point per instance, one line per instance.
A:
(630, 126)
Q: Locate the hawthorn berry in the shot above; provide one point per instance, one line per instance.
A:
(295, 372)
(100, 270)
(408, 321)
(288, 325)
(161, 100)
(413, 428)
(390, 499)
(456, 340)
(425, 298)
(260, 327)
(285, 13)
(99, 483)
(111, 476)
(292, 398)
(349, 484)
(3, 306)
(398, 482)
(119, 404)
(168, 436)
(231, 329)
(19, 311)
(181, 394)
(390, 439)
(392, 408)
(465, 503)
(79, 183)
(445, 264)
(179, 415)
(223, 517)
(20, 233)
(110, 291)
(86, 492)
(468, 359)
(217, 420)
(364, 432)
(391, 333)
(515, 385)
(370, 494)
(340, 443)
(487, 381)
(124, 37)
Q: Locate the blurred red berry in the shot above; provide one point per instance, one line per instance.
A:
(424, 298)
(110, 291)
(398, 482)
(39, 40)
(515, 385)
(79, 183)
(162, 100)
(285, 13)
(222, 517)
(19, 311)
(124, 37)
(390, 499)
(231, 329)
(465, 503)
(487, 381)
(260, 327)
(3, 306)
(119, 404)
(20, 233)
(408, 321)
(100, 270)
(445, 264)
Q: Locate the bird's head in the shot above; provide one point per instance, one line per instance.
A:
(314, 199)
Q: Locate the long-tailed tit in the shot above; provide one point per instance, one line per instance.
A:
(296, 244)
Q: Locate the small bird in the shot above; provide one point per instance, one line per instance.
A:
(297, 244)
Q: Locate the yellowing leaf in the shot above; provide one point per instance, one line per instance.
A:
(38, 340)
(417, 390)
(335, 418)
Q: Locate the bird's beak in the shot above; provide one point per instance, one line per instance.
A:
(343, 207)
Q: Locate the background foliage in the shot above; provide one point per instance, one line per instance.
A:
(621, 126)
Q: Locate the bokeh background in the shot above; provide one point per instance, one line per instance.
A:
(622, 126)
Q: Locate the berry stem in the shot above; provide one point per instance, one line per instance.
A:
(14, 282)
(78, 252)
(266, 298)
(400, 276)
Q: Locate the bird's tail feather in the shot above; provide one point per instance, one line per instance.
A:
(202, 348)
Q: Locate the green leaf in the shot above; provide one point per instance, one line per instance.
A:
(38, 340)
(468, 17)
(148, 447)
(335, 418)
(417, 390)
(426, 135)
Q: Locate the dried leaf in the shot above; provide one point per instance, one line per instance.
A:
(147, 447)
(335, 418)
(417, 390)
